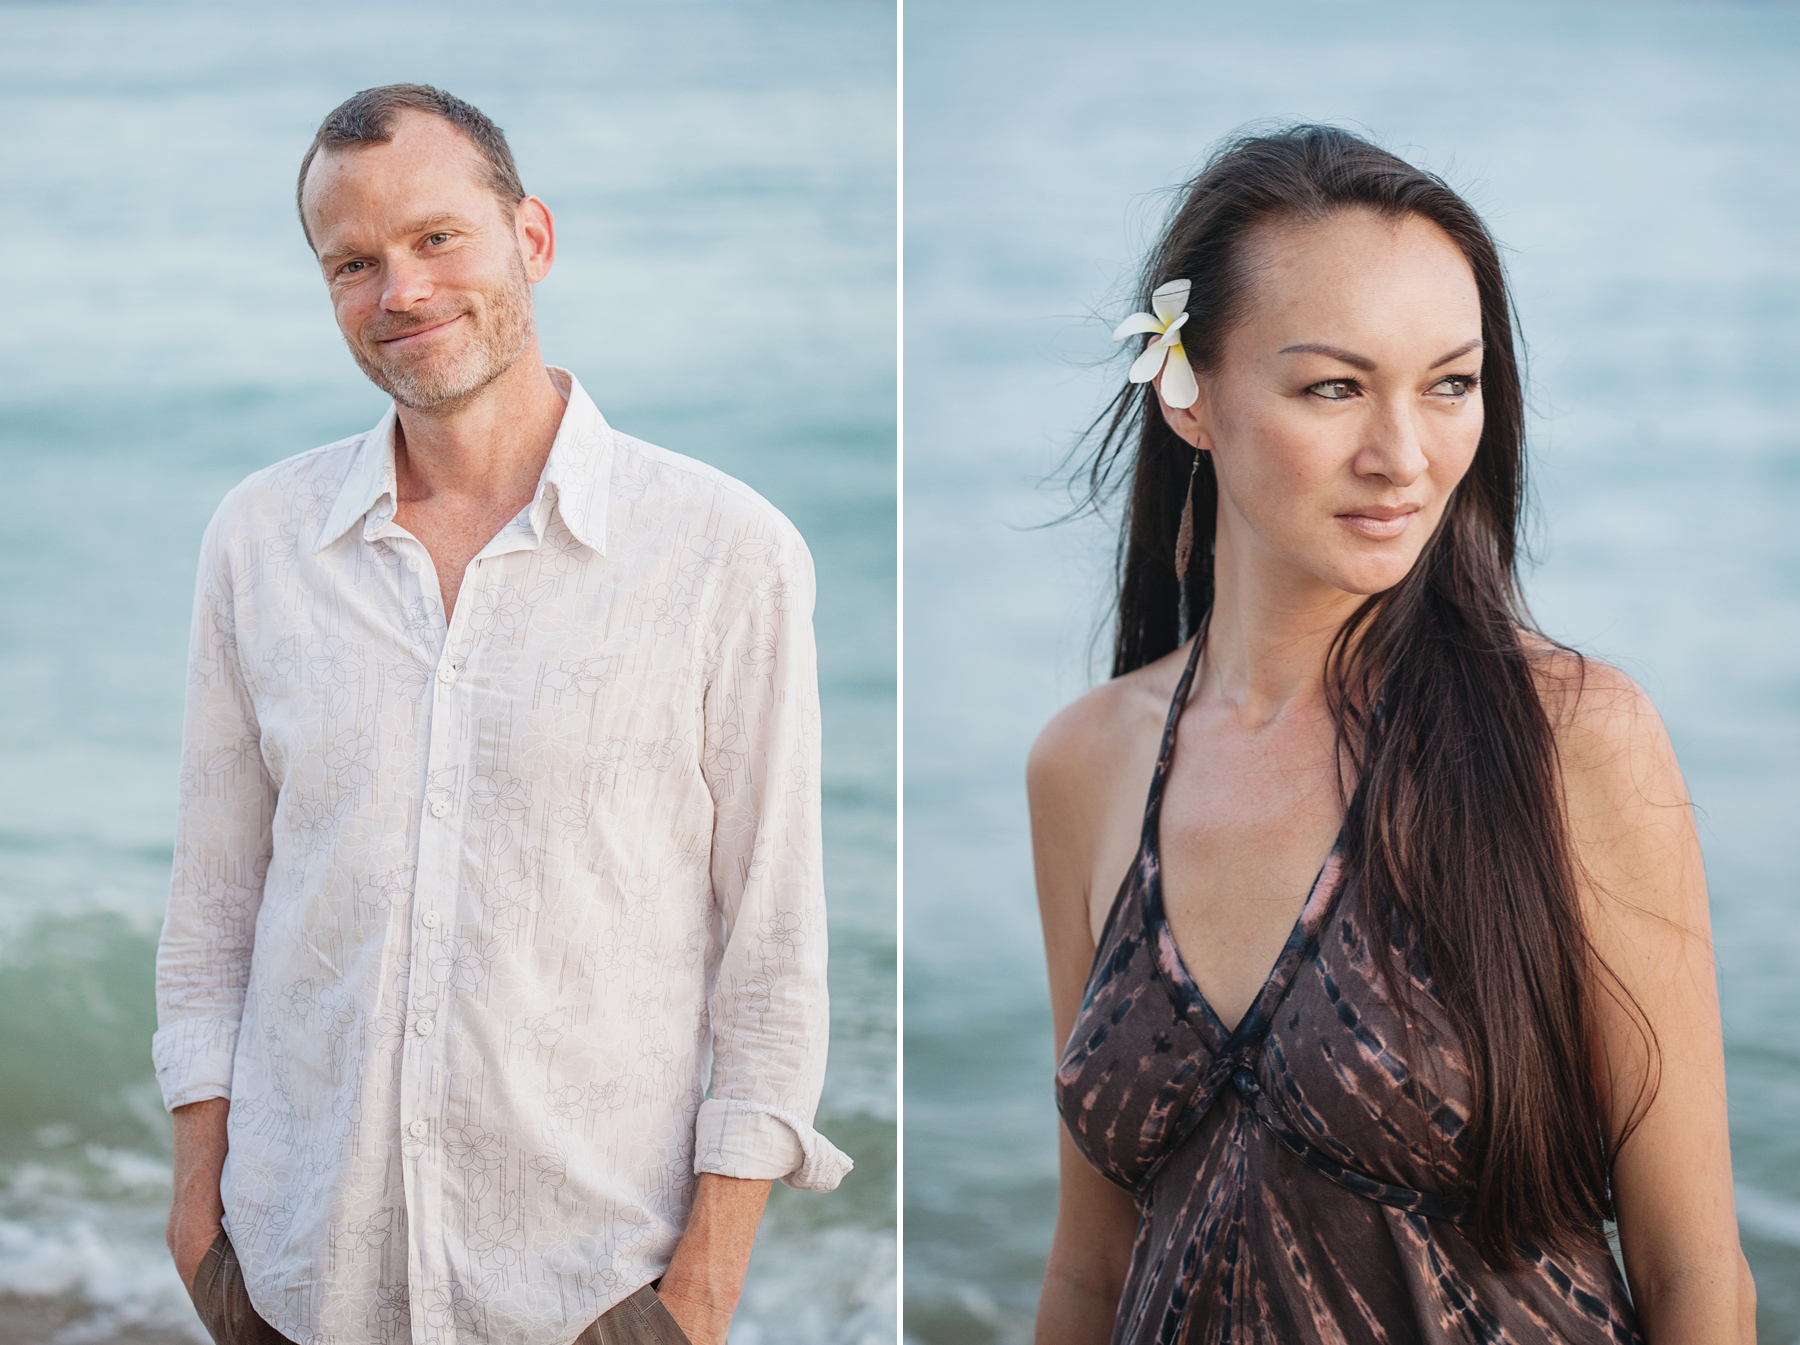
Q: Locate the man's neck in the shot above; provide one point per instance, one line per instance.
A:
(486, 450)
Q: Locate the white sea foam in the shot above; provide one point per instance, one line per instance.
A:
(830, 1286)
(835, 1286)
(109, 1256)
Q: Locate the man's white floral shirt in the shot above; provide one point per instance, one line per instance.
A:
(465, 921)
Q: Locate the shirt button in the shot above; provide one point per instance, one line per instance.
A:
(412, 563)
(439, 808)
(418, 1130)
(429, 920)
(447, 674)
(423, 1027)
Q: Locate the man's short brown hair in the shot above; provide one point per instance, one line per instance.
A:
(367, 118)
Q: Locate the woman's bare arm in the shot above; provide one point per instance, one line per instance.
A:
(1089, 1254)
(1073, 779)
(1644, 896)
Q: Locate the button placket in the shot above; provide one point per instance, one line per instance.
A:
(438, 848)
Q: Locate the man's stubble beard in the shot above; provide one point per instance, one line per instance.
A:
(436, 383)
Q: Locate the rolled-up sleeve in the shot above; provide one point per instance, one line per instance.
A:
(222, 848)
(770, 1012)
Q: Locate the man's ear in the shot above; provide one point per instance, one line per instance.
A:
(537, 237)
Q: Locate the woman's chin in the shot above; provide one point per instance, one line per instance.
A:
(1364, 579)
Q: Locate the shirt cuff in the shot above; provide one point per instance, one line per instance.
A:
(734, 1138)
(193, 1059)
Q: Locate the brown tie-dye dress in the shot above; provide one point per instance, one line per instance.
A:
(1298, 1178)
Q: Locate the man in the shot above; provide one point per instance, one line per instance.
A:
(499, 835)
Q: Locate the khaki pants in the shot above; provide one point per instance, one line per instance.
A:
(639, 1320)
(224, 1307)
(224, 1304)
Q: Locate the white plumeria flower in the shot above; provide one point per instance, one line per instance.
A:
(1178, 386)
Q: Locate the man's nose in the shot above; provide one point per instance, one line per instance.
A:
(408, 285)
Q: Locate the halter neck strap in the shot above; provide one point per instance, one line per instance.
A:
(1179, 703)
(1153, 803)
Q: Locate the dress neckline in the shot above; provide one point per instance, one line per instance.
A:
(1314, 911)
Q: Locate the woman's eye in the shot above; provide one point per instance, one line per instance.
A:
(1457, 385)
(1334, 389)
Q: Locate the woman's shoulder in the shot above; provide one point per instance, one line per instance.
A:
(1102, 731)
(1085, 780)
(1600, 716)
(1624, 796)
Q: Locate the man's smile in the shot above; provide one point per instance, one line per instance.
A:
(416, 333)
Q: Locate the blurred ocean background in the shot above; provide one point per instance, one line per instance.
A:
(1638, 161)
(722, 173)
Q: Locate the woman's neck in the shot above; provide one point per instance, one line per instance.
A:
(1267, 637)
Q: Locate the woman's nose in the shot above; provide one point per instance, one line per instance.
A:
(1393, 447)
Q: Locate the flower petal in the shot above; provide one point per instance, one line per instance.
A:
(1172, 336)
(1145, 367)
(1138, 322)
(1178, 386)
(1170, 299)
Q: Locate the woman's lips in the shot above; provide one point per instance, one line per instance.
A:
(1379, 525)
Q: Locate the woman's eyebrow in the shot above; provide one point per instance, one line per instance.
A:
(1366, 364)
(1362, 362)
(1460, 351)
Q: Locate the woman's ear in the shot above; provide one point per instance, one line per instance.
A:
(1188, 422)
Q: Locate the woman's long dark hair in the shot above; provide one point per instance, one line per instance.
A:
(1455, 825)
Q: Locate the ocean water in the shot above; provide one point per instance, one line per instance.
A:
(722, 173)
(1637, 160)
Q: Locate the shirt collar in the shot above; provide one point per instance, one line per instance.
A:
(579, 468)
(577, 478)
(370, 482)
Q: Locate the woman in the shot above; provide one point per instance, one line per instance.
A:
(1491, 1024)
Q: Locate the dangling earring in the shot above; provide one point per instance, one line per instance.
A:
(1184, 537)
